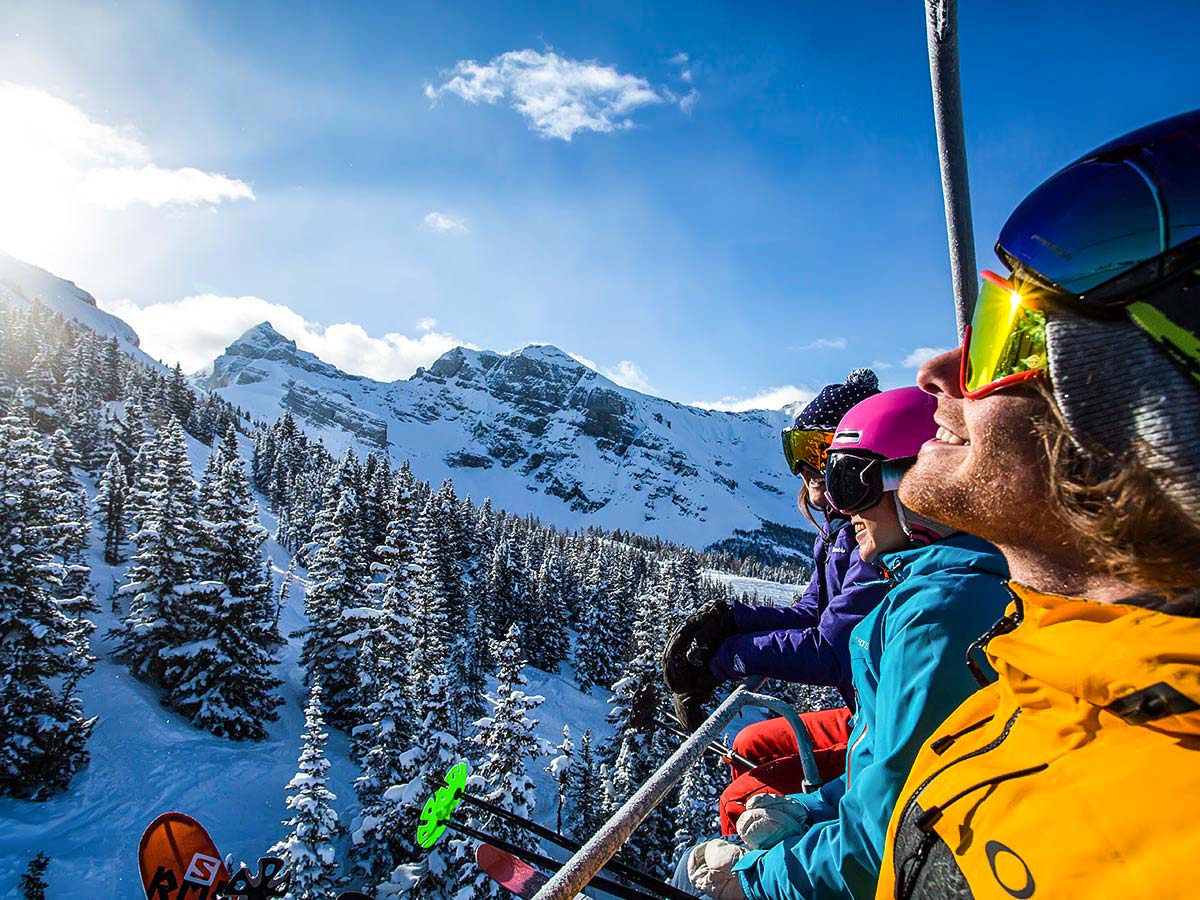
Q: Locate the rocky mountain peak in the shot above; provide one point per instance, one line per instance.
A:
(261, 336)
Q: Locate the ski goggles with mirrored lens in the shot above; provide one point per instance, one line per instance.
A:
(1108, 235)
(854, 482)
(1006, 340)
(806, 446)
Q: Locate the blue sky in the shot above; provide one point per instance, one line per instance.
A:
(762, 213)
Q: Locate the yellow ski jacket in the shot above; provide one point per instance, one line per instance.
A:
(1076, 774)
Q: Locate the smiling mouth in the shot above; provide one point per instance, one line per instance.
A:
(860, 527)
(946, 436)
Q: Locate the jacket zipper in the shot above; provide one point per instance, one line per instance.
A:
(917, 857)
(850, 753)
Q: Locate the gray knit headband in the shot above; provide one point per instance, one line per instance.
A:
(1120, 393)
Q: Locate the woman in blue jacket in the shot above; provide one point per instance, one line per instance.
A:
(807, 642)
(908, 669)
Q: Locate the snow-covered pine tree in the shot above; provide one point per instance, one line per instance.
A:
(178, 399)
(335, 601)
(507, 747)
(443, 551)
(639, 745)
(382, 831)
(694, 813)
(110, 505)
(585, 791)
(423, 875)
(547, 643)
(168, 552)
(596, 654)
(42, 393)
(112, 364)
(285, 593)
(506, 741)
(130, 434)
(376, 502)
(496, 600)
(75, 591)
(431, 698)
(225, 684)
(308, 849)
(33, 881)
(562, 772)
(43, 741)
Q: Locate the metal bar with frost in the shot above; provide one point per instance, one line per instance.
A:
(603, 845)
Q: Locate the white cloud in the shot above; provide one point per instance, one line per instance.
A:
(837, 343)
(688, 101)
(626, 373)
(880, 365)
(427, 324)
(770, 398)
(195, 330)
(436, 221)
(56, 160)
(922, 355)
(52, 145)
(560, 97)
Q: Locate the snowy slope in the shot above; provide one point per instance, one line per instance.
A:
(534, 430)
(146, 760)
(22, 284)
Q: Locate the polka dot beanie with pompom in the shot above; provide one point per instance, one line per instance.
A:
(835, 400)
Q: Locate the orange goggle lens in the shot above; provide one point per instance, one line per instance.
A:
(1006, 342)
(806, 445)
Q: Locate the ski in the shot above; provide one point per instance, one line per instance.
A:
(515, 875)
(521, 859)
(177, 860)
(439, 809)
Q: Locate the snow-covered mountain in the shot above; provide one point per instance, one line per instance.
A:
(22, 284)
(534, 430)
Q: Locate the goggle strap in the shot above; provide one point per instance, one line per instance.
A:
(1181, 344)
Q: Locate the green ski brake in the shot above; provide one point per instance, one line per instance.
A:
(441, 806)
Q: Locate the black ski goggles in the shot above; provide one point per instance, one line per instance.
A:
(854, 482)
(806, 447)
(1106, 233)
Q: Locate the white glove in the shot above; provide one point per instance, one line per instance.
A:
(769, 818)
(710, 869)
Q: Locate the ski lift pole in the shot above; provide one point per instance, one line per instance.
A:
(604, 844)
(941, 32)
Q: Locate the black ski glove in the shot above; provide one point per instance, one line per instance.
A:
(694, 643)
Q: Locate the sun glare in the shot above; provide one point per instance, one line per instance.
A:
(62, 173)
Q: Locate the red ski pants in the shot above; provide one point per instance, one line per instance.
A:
(772, 745)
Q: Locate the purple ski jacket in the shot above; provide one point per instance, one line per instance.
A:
(808, 642)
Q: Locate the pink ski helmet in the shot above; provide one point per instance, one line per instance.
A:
(875, 443)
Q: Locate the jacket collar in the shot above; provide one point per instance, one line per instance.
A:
(958, 551)
(1140, 664)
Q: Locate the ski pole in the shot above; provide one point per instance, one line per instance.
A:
(536, 859)
(616, 867)
(728, 754)
(941, 34)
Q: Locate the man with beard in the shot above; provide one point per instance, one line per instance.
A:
(1069, 436)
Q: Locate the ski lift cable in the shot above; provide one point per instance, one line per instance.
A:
(941, 32)
(568, 881)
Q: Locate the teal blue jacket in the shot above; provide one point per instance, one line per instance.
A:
(908, 665)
